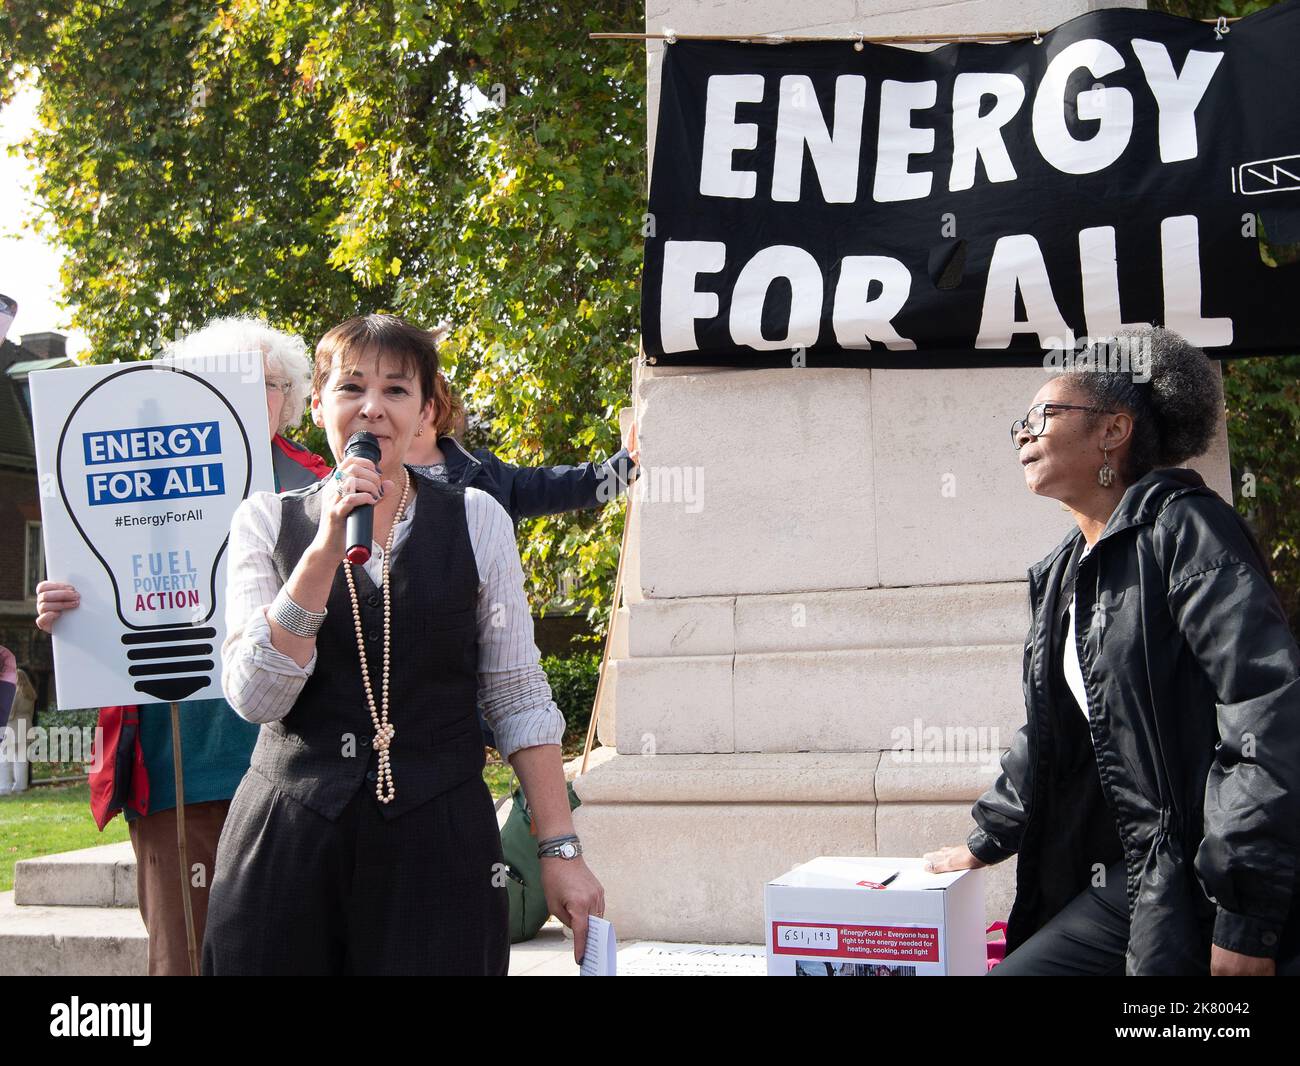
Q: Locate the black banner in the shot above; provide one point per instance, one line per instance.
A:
(978, 205)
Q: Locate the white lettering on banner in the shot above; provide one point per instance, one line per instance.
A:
(1180, 258)
(979, 135)
(835, 147)
(1018, 266)
(200, 434)
(835, 156)
(1111, 107)
(858, 318)
(1177, 95)
(1098, 264)
(724, 135)
(135, 444)
(899, 140)
(1018, 263)
(182, 482)
(756, 277)
(680, 303)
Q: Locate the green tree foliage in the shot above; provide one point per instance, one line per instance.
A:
(475, 162)
(573, 680)
(179, 171)
(1263, 398)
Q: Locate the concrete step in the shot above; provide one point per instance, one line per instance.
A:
(102, 876)
(37, 941)
(42, 941)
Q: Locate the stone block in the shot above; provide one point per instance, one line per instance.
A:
(673, 705)
(949, 616)
(863, 700)
(732, 504)
(681, 627)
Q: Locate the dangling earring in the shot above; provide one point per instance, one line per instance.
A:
(1105, 476)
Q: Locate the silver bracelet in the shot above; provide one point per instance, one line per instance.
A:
(296, 619)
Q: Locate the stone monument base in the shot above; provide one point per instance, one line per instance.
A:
(683, 844)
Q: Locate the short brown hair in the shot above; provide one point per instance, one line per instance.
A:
(387, 336)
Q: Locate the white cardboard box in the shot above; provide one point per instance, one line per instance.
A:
(825, 919)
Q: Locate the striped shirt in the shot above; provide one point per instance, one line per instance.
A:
(262, 683)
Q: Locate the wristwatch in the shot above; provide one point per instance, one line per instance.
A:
(565, 847)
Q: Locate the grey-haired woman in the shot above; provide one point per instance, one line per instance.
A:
(1153, 796)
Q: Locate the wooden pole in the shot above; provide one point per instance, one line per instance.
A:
(609, 633)
(1220, 24)
(190, 939)
(618, 594)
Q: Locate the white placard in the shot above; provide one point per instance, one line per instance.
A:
(141, 468)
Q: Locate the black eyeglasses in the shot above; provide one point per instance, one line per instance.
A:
(1036, 420)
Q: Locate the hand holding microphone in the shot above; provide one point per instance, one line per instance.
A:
(361, 519)
(347, 521)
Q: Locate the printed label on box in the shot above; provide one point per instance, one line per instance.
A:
(888, 943)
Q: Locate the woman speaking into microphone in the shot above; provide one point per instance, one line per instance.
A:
(363, 840)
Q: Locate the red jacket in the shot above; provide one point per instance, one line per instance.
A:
(118, 778)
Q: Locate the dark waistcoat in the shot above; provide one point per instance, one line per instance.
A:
(321, 752)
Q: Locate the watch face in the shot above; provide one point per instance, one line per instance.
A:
(568, 851)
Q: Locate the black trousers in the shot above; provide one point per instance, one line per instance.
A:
(421, 894)
(1089, 936)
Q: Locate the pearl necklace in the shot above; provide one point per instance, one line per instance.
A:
(384, 731)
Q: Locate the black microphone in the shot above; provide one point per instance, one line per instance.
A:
(361, 520)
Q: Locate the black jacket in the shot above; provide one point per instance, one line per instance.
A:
(532, 491)
(1193, 681)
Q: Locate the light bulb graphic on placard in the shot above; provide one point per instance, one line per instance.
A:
(135, 463)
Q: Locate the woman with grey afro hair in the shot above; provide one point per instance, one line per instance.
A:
(1153, 795)
(1170, 389)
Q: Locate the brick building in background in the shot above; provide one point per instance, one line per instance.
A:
(22, 557)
